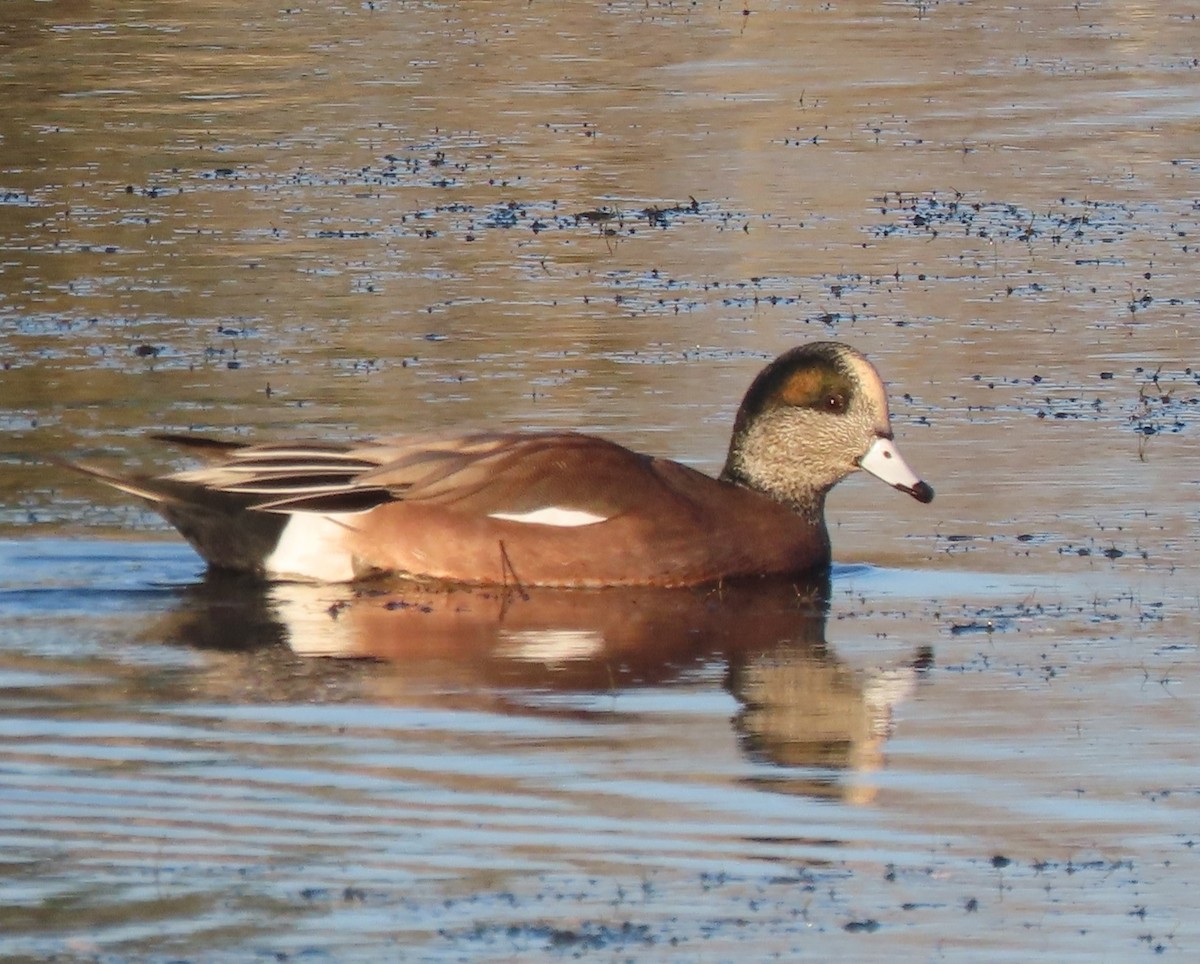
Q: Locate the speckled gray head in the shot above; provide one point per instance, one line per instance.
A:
(813, 416)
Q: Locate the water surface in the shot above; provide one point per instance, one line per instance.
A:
(263, 221)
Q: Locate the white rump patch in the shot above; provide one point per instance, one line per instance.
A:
(313, 546)
(552, 515)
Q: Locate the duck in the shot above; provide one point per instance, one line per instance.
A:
(547, 509)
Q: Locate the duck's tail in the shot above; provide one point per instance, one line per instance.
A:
(223, 527)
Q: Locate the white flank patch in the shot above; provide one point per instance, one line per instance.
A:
(552, 515)
(312, 546)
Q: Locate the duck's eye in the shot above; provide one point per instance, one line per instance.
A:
(835, 402)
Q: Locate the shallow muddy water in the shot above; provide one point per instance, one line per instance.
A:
(263, 221)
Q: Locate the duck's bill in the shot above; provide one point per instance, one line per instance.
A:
(884, 462)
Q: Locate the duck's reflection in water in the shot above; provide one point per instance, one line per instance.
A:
(810, 717)
(816, 719)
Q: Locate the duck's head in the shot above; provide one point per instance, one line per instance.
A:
(811, 417)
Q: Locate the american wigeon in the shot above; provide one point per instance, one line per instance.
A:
(554, 509)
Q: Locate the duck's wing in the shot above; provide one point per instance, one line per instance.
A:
(291, 476)
(497, 474)
(241, 476)
(565, 476)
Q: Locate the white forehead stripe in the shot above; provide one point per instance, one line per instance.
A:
(871, 385)
(551, 515)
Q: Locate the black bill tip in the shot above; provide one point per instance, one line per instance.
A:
(922, 491)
